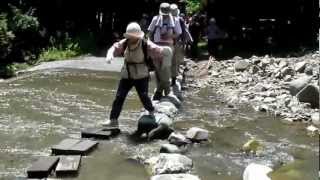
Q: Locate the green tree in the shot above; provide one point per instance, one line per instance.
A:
(193, 6)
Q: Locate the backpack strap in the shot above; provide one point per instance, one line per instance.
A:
(145, 49)
(125, 46)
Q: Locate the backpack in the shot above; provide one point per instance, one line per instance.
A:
(159, 27)
(147, 60)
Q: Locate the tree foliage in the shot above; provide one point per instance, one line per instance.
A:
(193, 6)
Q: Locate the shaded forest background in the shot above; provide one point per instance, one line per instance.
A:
(32, 29)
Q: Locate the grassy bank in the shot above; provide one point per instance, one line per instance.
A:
(62, 49)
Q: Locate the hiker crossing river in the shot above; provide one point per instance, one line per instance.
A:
(186, 119)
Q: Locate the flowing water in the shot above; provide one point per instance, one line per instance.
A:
(44, 108)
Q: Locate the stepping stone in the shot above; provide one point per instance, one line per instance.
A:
(43, 167)
(100, 133)
(74, 147)
(68, 165)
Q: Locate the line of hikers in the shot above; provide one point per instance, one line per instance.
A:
(161, 51)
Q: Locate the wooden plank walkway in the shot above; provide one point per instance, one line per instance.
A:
(43, 167)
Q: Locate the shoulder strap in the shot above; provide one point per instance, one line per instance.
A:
(145, 49)
(125, 45)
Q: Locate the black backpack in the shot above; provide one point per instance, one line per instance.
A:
(147, 60)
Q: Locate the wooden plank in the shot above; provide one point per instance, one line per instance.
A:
(83, 147)
(64, 146)
(74, 147)
(100, 133)
(68, 165)
(43, 167)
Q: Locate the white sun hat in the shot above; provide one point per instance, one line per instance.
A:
(174, 10)
(134, 31)
(164, 9)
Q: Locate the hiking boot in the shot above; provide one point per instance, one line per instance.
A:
(157, 96)
(112, 123)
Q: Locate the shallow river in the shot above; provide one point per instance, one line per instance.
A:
(42, 109)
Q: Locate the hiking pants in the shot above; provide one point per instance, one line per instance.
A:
(163, 70)
(178, 57)
(125, 85)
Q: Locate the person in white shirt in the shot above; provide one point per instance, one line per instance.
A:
(163, 30)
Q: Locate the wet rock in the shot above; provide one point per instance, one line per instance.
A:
(170, 148)
(237, 58)
(283, 64)
(259, 87)
(256, 172)
(243, 79)
(256, 61)
(169, 164)
(145, 124)
(312, 130)
(178, 139)
(315, 117)
(175, 177)
(309, 94)
(265, 62)
(287, 78)
(197, 134)
(271, 94)
(255, 69)
(252, 146)
(241, 65)
(308, 70)
(300, 66)
(262, 108)
(287, 71)
(167, 108)
(173, 99)
(298, 84)
(269, 100)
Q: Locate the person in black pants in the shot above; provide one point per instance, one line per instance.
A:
(125, 86)
(135, 72)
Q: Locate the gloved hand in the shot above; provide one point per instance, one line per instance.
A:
(109, 58)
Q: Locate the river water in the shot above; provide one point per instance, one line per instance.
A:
(43, 108)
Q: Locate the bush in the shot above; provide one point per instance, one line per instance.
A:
(25, 45)
(60, 49)
(6, 37)
(7, 71)
(193, 6)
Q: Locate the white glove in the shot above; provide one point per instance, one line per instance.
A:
(109, 58)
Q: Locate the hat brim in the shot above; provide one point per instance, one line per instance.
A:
(134, 35)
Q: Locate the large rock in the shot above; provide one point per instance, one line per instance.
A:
(178, 139)
(283, 64)
(256, 172)
(169, 164)
(312, 130)
(175, 177)
(197, 134)
(170, 148)
(300, 66)
(241, 65)
(167, 108)
(173, 99)
(287, 71)
(308, 70)
(309, 94)
(146, 124)
(315, 117)
(298, 84)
